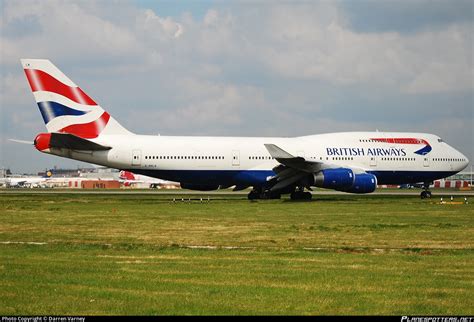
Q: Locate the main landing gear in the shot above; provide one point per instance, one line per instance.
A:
(426, 193)
(301, 195)
(298, 194)
(256, 194)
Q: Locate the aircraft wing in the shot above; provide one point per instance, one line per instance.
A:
(288, 160)
(291, 168)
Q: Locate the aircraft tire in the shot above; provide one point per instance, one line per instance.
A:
(271, 195)
(299, 195)
(425, 195)
(253, 195)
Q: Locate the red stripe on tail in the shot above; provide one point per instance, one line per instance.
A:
(88, 130)
(41, 81)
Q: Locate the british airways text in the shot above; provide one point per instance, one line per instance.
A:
(396, 152)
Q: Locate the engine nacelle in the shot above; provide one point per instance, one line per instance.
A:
(200, 187)
(363, 183)
(337, 179)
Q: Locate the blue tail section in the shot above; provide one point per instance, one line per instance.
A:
(50, 110)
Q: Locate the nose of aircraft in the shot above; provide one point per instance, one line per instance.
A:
(461, 160)
(465, 161)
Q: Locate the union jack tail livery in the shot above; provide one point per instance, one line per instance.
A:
(65, 107)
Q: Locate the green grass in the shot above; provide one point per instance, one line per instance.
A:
(143, 254)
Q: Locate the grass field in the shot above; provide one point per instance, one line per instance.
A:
(143, 254)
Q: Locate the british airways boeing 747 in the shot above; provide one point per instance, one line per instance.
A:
(354, 162)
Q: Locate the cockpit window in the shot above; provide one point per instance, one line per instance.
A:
(440, 140)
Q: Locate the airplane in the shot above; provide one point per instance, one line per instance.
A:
(354, 162)
(128, 178)
(26, 181)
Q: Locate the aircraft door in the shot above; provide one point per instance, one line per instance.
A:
(373, 161)
(136, 157)
(235, 158)
(426, 161)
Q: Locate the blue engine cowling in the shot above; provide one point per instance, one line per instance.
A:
(363, 183)
(343, 179)
(338, 179)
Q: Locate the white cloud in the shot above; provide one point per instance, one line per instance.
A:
(211, 18)
(309, 41)
(14, 90)
(264, 69)
(426, 61)
(207, 106)
(149, 24)
(447, 63)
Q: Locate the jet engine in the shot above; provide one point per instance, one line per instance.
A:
(343, 179)
(338, 179)
(363, 183)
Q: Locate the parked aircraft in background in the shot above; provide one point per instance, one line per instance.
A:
(354, 162)
(128, 178)
(26, 181)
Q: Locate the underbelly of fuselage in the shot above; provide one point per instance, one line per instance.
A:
(260, 177)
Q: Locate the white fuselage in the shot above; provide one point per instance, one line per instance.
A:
(182, 158)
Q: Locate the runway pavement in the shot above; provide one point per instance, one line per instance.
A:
(388, 192)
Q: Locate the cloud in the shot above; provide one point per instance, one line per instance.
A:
(239, 69)
(405, 16)
(151, 25)
(447, 64)
(299, 41)
(305, 47)
(210, 107)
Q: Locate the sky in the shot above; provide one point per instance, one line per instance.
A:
(244, 68)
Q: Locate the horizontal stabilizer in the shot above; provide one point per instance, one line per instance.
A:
(72, 142)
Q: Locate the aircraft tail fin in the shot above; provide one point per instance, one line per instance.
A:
(48, 174)
(126, 175)
(65, 107)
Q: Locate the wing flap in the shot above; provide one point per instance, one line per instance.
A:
(287, 159)
(288, 181)
(291, 168)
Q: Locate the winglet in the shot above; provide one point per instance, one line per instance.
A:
(277, 152)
